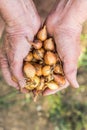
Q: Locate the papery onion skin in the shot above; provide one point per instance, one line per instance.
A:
(37, 44)
(29, 70)
(50, 58)
(49, 45)
(46, 70)
(42, 34)
(29, 57)
(52, 85)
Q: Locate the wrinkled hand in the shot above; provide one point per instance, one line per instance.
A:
(22, 24)
(65, 25)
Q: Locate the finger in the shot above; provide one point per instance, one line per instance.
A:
(21, 50)
(50, 92)
(1, 26)
(57, 14)
(69, 50)
(6, 72)
(70, 70)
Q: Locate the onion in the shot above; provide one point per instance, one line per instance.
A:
(46, 70)
(37, 44)
(50, 58)
(38, 69)
(49, 78)
(52, 85)
(38, 54)
(49, 44)
(58, 69)
(35, 82)
(42, 34)
(59, 79)
(29, 70)
(41, 85)
(29, 57)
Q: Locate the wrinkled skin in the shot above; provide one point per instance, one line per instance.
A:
(22, 22)
(21, 25)
(64, 23)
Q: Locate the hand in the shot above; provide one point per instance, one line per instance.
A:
(22, 23)
(1, 26)
(65, 24)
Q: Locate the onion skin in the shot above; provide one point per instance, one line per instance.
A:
(58, 69)
(29, 57)
(52, 85)
(29, 70)
(41, 85)
(46, 70)
(49, 45)
(38, 54)
(59, 79)
(42, 34)
(37, 44)
(50, 58)
(38, 68)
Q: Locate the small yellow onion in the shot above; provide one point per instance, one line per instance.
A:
(38, 68)
(49, 44)
(27, 86)
(29, 57)
(29, 70)
(50, 58)
(59, 79)
(42, 34)
(49, 78)
(52, 85)
(35, 81)
(58, 69)
(38, 54)
(57, 57)
(46, 70)
(37, 44)
(41, 85)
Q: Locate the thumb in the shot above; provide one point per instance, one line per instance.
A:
(70, 70)
(68, 48)
(17, 64)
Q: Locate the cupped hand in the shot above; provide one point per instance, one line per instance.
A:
(22, 23)
(65, 25)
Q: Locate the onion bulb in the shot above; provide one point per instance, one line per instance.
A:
(52, 85)
(58, 69)
(49, 44)
(29, 57)
(37, 44)
(46, 70)
(38, 54)
(29, 70)
(41, 85)
(35, 81)
(59, 79)
(50, 58)
(42, 34)
(49, 78)
(38, 68)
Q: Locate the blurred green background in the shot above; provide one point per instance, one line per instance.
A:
(66, 110)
